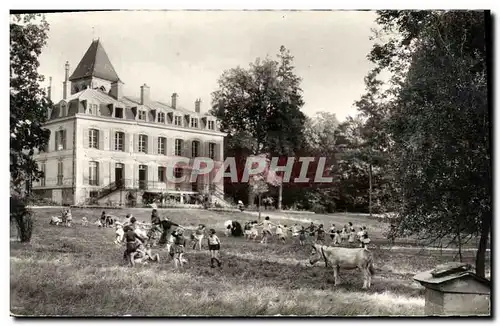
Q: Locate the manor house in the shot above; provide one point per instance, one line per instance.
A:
(106, 146)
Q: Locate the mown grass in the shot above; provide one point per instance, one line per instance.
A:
(78, 271)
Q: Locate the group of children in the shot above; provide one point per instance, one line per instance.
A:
(316, 232)
(138, 245)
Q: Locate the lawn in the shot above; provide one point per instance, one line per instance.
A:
(78, 271)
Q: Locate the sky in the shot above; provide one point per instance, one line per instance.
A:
(187, 51)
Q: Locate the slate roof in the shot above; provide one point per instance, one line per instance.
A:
(96, 63)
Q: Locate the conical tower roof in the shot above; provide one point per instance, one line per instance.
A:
(95, 63)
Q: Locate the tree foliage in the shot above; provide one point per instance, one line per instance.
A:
(437, 129)
(28, 111)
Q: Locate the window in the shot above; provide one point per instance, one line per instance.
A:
(93, 173)
(60, 173)
(178, 120)
(119, 141)
(119, 113)
(161, 173)
(178, 172)
(94, 138)
(92, 108)
(211, 150)
(60, 140)
(143, 144)
(162, 145)
(93, 194)
(178, 147)
(42, 179)
(161, 117)
(211, 125)
(194, 122)
(142, 115)
(195, 147)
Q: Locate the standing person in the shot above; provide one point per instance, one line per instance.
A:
(280, 232)
(178, 248)
(103, 219)
(302, 236)
(133, 242)
(320, 234)
(352, 234)
(155, 223)
(365, 241)
(166, 226)
(69, 217)
(332, 232)
(266, 230)
(311, 229)
(337, 238)
(214, 248)
(360, 234)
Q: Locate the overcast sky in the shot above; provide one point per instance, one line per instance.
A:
(187, 51)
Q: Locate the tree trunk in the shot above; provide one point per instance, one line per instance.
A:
(370, 191)
(251, 197)
(280, 196)
(483, 242)
(260, 200)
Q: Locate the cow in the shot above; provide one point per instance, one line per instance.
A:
(345, 258)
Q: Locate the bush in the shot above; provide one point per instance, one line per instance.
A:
(318, 208)
(39, 201)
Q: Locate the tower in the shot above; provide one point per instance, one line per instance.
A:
(94, 71)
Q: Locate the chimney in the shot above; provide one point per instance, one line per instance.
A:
(144, 94)
(49, 89)
(116, 90)
(65, 83)
(174, 100)
(197, 105)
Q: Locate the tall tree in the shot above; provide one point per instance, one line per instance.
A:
(259, 108)
(439, 122)
(28, 110)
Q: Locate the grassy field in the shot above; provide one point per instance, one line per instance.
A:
(78, 271)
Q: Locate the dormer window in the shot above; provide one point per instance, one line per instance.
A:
(63, 107)
(161, 117)
(92, 109)
(119, 113)
(194, 122)
(142, 115)
(178, 120)
(211, 125)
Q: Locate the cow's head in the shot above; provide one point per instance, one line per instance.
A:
(315, 255)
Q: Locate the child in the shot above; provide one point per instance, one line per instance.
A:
(302, 236)
(266, 231)
(197, 236)
(352, 234)
(312, 229)
(337, 238)
(133, 243)
(147, 254)
(280, 232)
(69, 217)
(332, 232)
(365, 241)
(119, 234)
(295, 230)
(320, 234)
(214, 247)
(103, 218)
(85, 221)
(178, 247)
(360, 234)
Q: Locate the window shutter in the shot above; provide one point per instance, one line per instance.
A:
(56, 140)
(154, 145)
(217, 151)
(86, 174)
(126, 141)
(65, 138)
(136, 143)
(187, 148)
(86, 138)
(112, 139)
(101, 140)
(101, 171)
(150, 147)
